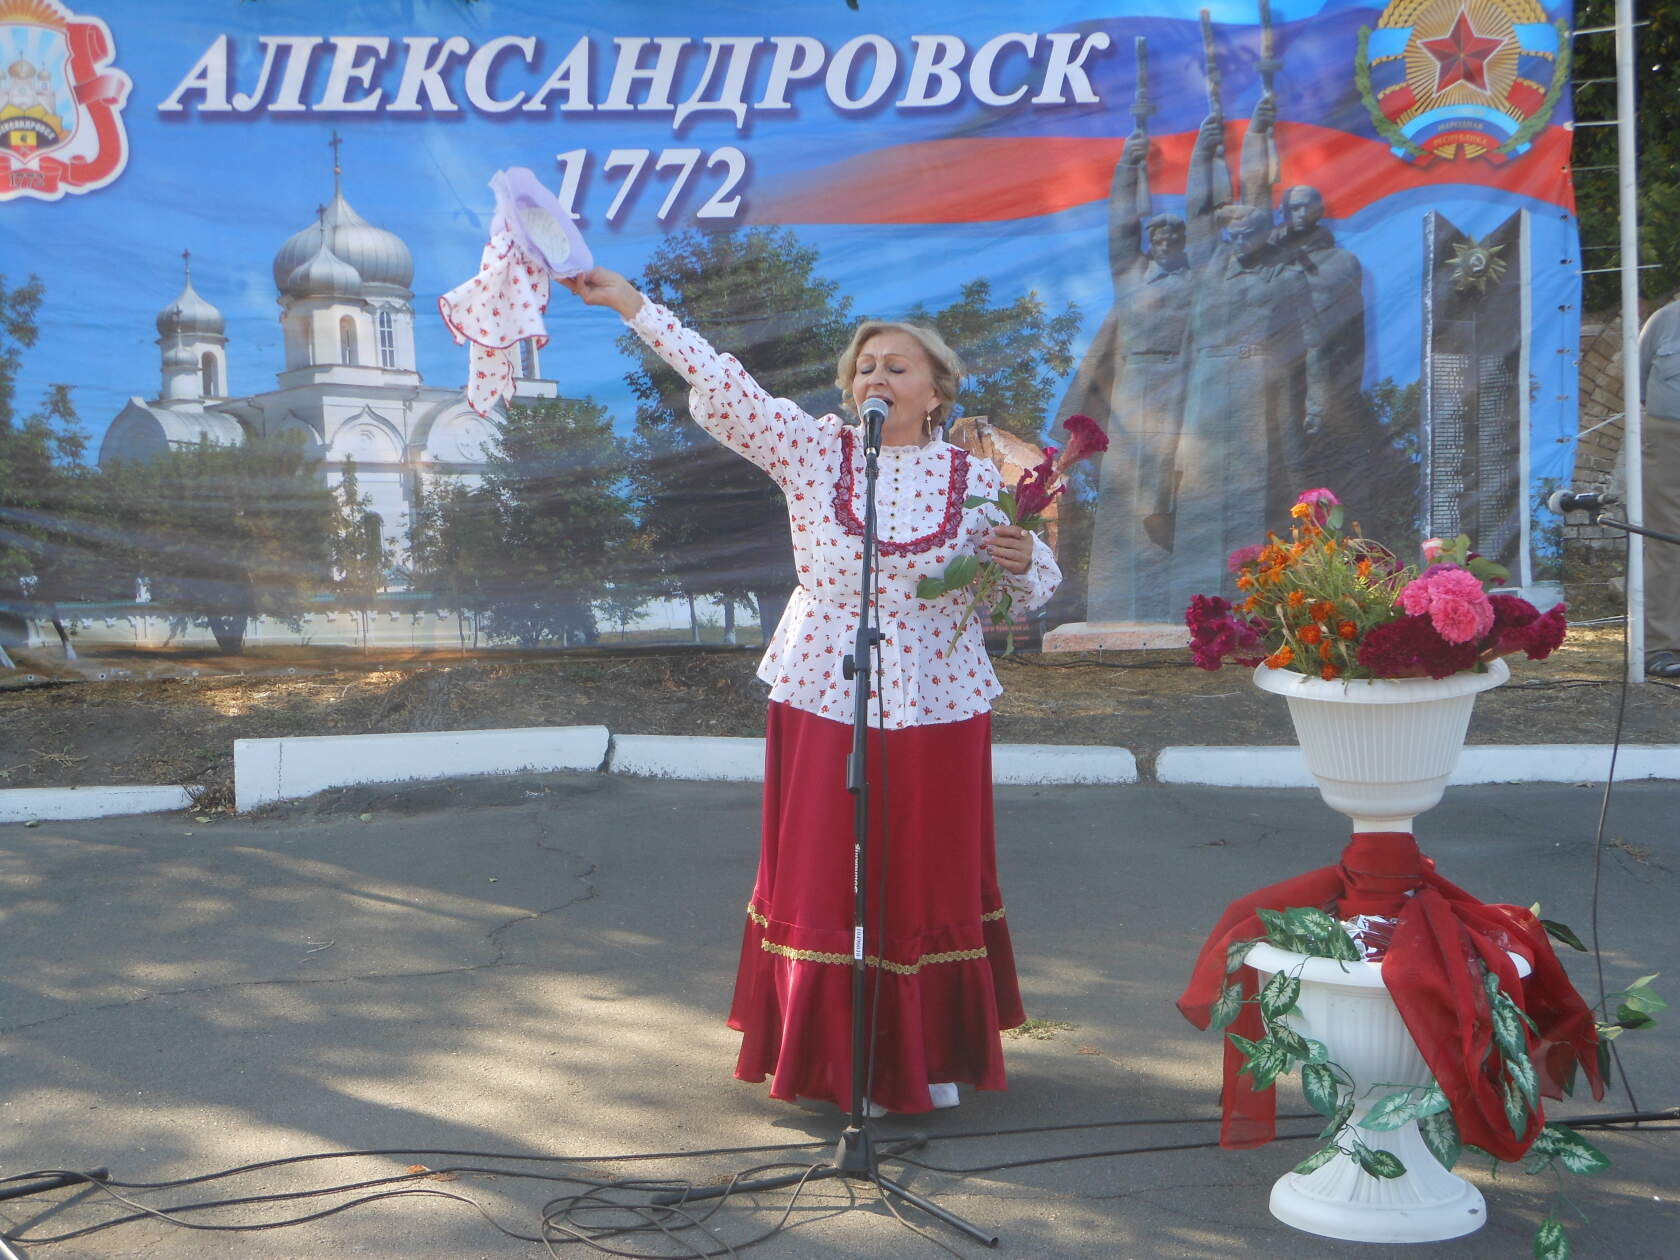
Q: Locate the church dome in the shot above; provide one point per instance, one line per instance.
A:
(378, 256)
(324, 274)
(179, 358)
(189, 316)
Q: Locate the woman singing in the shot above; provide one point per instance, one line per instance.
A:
(943, 976)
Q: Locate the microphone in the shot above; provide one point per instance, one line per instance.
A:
(874, 416)
(1562, 501)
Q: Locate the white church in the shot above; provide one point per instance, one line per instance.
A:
(349, 384)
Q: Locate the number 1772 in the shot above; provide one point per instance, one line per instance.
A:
(727, 167)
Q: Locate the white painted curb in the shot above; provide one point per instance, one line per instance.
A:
(727, 757)
(1480, 763)
(267, 770)
(1062, 763)
(62, 804)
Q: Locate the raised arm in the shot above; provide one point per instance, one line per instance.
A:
(723, 398)
(1125, 214)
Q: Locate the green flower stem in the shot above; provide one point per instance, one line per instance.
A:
(985, 586)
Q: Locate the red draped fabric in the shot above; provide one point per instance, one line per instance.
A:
(945, 971)
(1431, 973)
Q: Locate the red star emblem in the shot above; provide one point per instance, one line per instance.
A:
(1462, 55)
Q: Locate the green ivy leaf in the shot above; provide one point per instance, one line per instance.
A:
(1317, 1051)
(1278, 996)
(1382, 1164)
(1561, 932)
(1006, 501)
(1508, 1028)
(976, 500)
(1516, 1110)
(1440, 1135)
(1318, 1083)
(1235, 953)
(1550, 1242)
(930, 588)
(1638, 998)
(1312, 1163)
(1522, 1072)
(1291, 1042)
(1002, 609)
(1390, 1112)
(1574, 1152)
(1277, 930)
(1264, 1067)
(1226, 1007)
(1338, 1122)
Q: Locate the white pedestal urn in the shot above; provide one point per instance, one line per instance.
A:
(1382, 749)
(1345, 1006)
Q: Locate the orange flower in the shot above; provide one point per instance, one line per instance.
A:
(1348, 630)
(1329, 673)
(1329, 544)
(1297, 598)
(1309, 635)
(1364, 567)
(1244, 581)
(1322, 610)
(1250, 604)
(1301, 511)
(1297, 550)
(1324, 650)
(1281, 657)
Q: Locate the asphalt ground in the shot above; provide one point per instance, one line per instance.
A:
(537, 969)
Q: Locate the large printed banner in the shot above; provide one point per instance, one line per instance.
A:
(1269, 246)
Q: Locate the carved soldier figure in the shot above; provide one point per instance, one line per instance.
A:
(1335, 278)
(1251, 329)
(1133, 528)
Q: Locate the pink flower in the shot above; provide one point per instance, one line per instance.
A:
(1242, 556)
(1085, 439)
(1453, 600)
(1321, 501)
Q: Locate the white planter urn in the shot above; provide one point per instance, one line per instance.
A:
(1346, 1006)
(1381, 749)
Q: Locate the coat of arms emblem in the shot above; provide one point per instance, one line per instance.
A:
(1457, 79)
(61, 127)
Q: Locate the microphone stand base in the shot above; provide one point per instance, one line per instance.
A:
(854, 1156)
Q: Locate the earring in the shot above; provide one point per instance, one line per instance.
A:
(929, 424)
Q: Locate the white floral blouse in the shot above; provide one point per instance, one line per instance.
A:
(921, 523)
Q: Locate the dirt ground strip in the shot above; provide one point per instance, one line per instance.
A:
(180, 729)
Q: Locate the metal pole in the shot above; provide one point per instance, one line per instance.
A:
(1627, 178)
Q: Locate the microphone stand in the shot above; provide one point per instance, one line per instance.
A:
(855, 1154)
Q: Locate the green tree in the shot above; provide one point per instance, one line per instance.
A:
(1657, 61)
(714, 523)
(56, 540)
(555, 486)
(227, 533)
(357, 549)
(1015, 355)
(455, 548)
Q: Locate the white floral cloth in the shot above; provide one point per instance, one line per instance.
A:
(494, 311)
(921, 522)
(531, 238)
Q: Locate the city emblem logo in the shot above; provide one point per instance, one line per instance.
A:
(1459, 79)
(61, 127)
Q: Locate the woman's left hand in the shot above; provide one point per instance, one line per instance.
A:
(1011, 546)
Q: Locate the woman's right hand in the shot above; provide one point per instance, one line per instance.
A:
(600, 286)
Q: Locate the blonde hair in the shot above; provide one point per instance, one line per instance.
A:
(947, 367)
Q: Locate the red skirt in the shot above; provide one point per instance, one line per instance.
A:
(945, 973)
